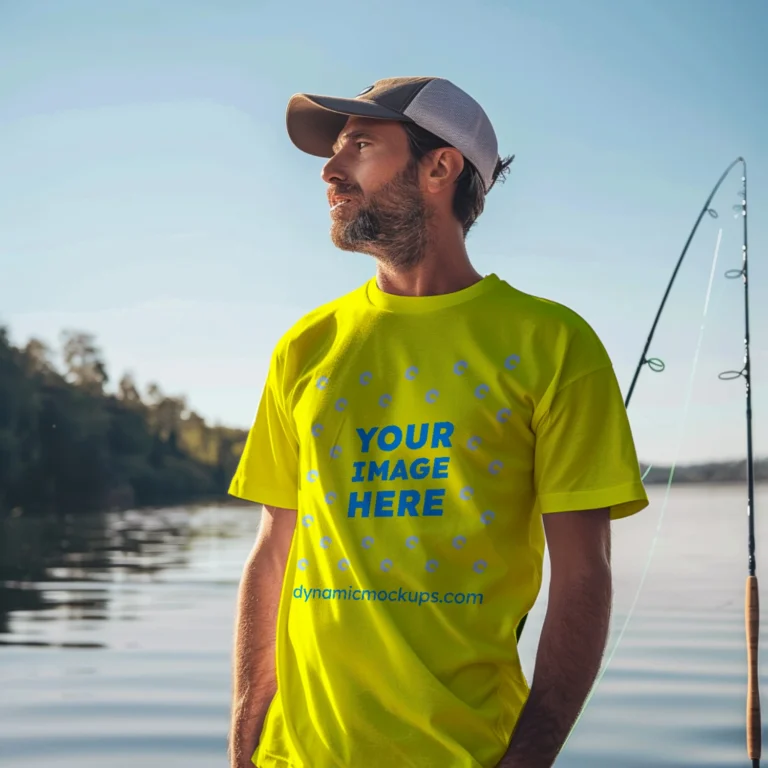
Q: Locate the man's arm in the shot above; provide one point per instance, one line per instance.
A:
(254, 681)
(573, 636)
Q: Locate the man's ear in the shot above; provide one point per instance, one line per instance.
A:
(442, 167)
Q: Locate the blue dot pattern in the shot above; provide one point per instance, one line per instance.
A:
(481, 392)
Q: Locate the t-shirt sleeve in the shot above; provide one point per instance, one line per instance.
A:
(585, 456)
(267, 472)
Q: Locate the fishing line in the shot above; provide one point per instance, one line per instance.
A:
(681, 433)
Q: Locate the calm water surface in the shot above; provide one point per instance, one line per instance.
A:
(116, 632)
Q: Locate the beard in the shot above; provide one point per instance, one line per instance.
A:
(389, 224)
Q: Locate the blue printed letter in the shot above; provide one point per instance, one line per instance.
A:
(442, 434)
(433, 502)
(384, 501)
(407, 503)
(366, 437)
(391, 431)
(364, 506)
(399, 472)
(419, 468)
(440, 467)
(411, 441)
(374, 470)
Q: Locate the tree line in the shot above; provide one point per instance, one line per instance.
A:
(68, 445)
(719, 472)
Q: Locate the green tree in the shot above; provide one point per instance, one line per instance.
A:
(84, 365)
(68, 446)
(19, 407)
(39, 358)
(127, 390)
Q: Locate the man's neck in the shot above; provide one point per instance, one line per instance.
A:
(445, 268)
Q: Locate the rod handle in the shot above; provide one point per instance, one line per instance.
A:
(752, 617)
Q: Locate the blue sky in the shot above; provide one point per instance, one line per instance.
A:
(149, 193)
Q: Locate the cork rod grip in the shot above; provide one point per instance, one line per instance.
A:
(752, 616)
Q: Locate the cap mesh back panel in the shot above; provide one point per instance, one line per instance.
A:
(445, 110)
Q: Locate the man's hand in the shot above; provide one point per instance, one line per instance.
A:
(254, 677)
(573, 637)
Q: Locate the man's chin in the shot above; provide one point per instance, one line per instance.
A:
(343, 242)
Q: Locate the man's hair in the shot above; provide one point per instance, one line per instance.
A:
(469, 196)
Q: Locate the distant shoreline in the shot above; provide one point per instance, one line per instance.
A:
(713, 473)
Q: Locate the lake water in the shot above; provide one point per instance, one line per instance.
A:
(116, 632)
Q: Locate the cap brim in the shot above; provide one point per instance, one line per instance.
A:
(315, 122)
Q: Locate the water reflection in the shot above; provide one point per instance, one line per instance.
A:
(151, 597)
(71, 570)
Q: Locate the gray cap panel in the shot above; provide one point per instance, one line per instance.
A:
(442, 108)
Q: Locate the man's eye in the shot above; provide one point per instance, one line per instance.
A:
(361, 144)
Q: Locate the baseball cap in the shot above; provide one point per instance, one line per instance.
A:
(433, 103)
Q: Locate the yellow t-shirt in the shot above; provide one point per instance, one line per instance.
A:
(421, 439)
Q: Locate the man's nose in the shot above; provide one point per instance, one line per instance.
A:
(333, 172)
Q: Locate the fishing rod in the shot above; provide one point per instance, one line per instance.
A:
(752, 605)
(654, 363)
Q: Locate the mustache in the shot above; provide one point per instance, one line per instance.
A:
(345, 190)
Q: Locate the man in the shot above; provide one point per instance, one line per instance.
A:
(417, 443)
